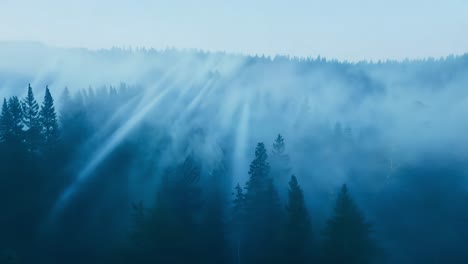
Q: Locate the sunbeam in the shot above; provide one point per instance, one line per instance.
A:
(241, 142)
(107, 148)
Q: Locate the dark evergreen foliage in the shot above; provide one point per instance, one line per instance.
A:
(280, 163)
(347, 235)
(263, 212)
(297, 240)
(5, 122)
(190, 217)
(31, 122)
(15, 133)
(49, 122)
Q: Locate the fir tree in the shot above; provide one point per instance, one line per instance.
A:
(214, 224)
(347, 234)
(259, 172)
(298, 232)
(31, 121)
(5, 122)
(16, 133)
(74, 121)
(170, 232)
(238, 222)
(263, 212)
(278, 146)
(66, 100)
(280, 165)
(48, 118)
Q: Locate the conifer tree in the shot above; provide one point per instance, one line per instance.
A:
(16, 134)
(280, 164)
(238, 222)
(65, 101)
(278, 145)
(48, 118)
(155, 235)
(74, 121)
(31, 121)
(347, 234)
(5, 122)
(297, 242)
(214, 224)
(170, 232)
(263, 211)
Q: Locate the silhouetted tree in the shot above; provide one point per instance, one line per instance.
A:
(347, 234)
(297, 241)
(238, 222)
(263, 211)
(214, 229)
(5, 122)
(16, 133)
(49, 122)
(75, 126)
(31, 121)
(280, 165)
(172, 229)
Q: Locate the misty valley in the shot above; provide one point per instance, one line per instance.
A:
(186, 156)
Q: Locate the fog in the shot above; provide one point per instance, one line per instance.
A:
(393, 131)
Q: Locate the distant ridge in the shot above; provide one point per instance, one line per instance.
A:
(29, 45)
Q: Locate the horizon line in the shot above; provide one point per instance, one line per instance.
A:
(272, 57)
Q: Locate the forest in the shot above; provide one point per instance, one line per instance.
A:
(215, 158)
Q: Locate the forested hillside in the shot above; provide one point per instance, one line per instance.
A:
(144, 156)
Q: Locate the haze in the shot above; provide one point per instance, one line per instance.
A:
(346, 30)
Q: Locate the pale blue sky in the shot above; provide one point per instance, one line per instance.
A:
(343, 29)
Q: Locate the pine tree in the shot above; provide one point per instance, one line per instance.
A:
(347, 235)
(259, 171)
(5, 122)
(16, 133)
(214, 224)
(238, 210)
(170, 232)
(65, 100)
(48, 118)
(280, 165)
(278, 145)
(31, 121)
(155, 233)
(263, 211)
(297, 242)
(74, 121)
(238, 222)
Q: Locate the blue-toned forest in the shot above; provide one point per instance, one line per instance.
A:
(184, 156)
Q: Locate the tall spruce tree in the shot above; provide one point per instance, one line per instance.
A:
(215, 248)
(48, 118)
(16, 133)
(66, 101)
(31, 121)
(297, 241)
(238, 219)
(74, 122)
(263, 212)
(280, 163)
(171, 231)
(347, 234)
(278, 145)
(5, 122)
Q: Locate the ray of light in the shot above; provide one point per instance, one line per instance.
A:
(241, 143)
(107, 148)
(151, 99)
(193, 103)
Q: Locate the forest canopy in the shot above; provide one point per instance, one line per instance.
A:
(144, 156)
